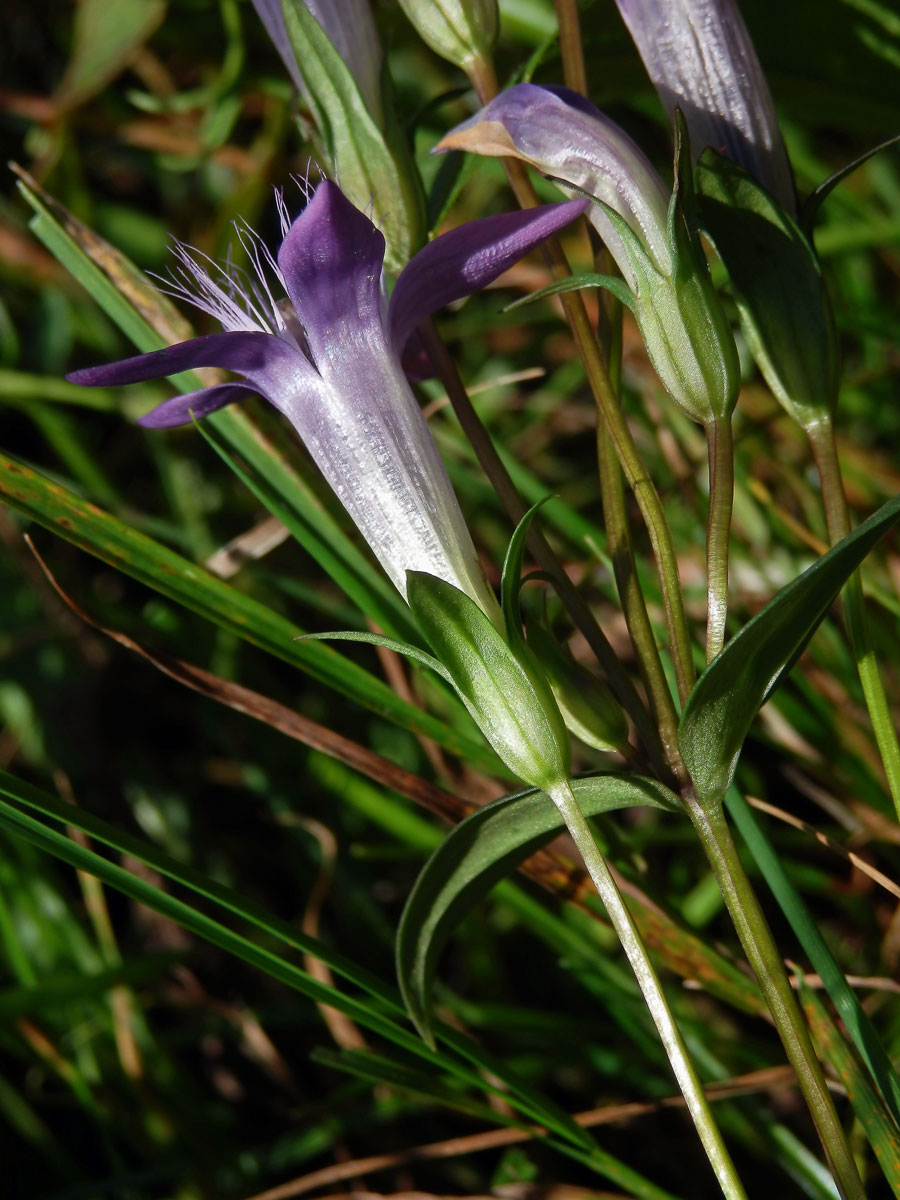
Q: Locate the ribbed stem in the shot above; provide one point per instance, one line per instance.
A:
(837, 516)
(612, 491)
(720, 447)
(631, 598)
(651, 989)
(763, 956)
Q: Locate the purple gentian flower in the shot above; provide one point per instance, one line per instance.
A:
(700, 58)
(328, 358)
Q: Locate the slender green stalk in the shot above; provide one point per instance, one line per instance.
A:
(651, 989)
(631, 598)
(764, 958)
(837, 516)
(808, 934)
(485, 83)
(720, 447)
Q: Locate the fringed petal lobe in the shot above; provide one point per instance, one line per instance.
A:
(246, 353)
(275, 369)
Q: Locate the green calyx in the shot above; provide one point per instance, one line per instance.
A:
(587, 706)
(679, 314)
(504, 692)
(369, 149)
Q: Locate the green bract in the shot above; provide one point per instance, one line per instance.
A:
(777, 281)
(489, 845)
(730, 692)
(507, 697)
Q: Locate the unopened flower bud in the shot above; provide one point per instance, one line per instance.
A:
(460, 31)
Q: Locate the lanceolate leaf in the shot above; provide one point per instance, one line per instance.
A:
(480, 851)
(465, 1061)
(511, 579)
(729, 693)
(812, 202)
(378, 639)
(612, 283)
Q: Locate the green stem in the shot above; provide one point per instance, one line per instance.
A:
(484, 81)
(720, 447)
(612, 491)
(767, 964)
(837, 516)
(651, 989)
(631, 598)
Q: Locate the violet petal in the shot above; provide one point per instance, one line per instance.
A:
(181, 410)
(331, 262)
(274, 368)
(468, 258)
(247, 353)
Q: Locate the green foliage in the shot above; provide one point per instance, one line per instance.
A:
(777, 282)
(483, 849)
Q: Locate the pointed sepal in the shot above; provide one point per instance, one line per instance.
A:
(508, 699)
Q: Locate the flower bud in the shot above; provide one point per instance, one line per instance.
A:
(460, 31)
(344, 83)
(700, 58)
(652, 237)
